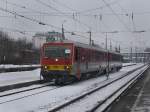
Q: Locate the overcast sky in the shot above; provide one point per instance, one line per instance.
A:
(80, 16)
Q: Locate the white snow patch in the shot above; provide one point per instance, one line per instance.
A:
(49, 98)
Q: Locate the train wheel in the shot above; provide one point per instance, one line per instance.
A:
(59, 81)
(116, 69)
(65, 80)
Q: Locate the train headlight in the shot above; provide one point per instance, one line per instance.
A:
(45, 67)
(67, 67)
(56, 59)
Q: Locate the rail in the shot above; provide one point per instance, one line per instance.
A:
(59, 107)
(130, 82)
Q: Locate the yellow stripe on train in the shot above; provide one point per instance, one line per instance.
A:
(57, 67)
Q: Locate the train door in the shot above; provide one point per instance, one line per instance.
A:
(87, 59)
(78, 62)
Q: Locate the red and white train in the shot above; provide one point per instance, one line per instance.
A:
(63, 61)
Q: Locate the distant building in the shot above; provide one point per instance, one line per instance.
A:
(139, 57)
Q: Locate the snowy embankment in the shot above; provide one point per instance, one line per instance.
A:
(129, 64)
(27, 76)
(38, 65)
(19, 77)
(90, 101)
(7, 66)
(44, 99)
(17, 66)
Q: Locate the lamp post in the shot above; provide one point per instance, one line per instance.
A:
(90, 38)
(106, 39)
(107, 63)
(136, 54)
(63, 35)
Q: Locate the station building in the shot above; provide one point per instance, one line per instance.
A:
(139, 57)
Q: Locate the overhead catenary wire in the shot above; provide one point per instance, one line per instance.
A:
(70, 13)
(24, 7)
(84, 14)
(53, 8)
(64, 5)
(98, 8)
(60, 3)
(121, 21)
(133, 23)
(31, 19)
(132, 17)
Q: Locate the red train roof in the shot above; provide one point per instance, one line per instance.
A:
(78, 44)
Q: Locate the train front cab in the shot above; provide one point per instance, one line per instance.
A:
(56, 61)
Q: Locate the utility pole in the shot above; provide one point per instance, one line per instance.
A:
(119, 48)
(110, 46)
(107, 65)
(90, 38)
(107, 55)
(63, 35)
(106, 41)
(144, 54)
(135, 54)
(131, 55)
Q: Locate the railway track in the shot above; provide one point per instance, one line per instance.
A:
(43, 85)
(27, 84)
(18, 69)
(36, 93)
(16, 91)
(18, 95)
(4, 91)
(89, 93)
(20, 85)
(117, 94)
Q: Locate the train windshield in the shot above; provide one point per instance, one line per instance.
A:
(57, 52)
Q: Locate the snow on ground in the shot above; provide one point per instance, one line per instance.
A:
(126, 64)
(17, 66)
(27, 76)
(36, 86)
(128, 68)
(48, 98)
(37, 65)
(10, 78)
(106, 104)
(87, 103)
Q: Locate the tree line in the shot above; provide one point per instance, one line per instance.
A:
(19, 51)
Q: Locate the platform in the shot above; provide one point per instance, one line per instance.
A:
(136, 99)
